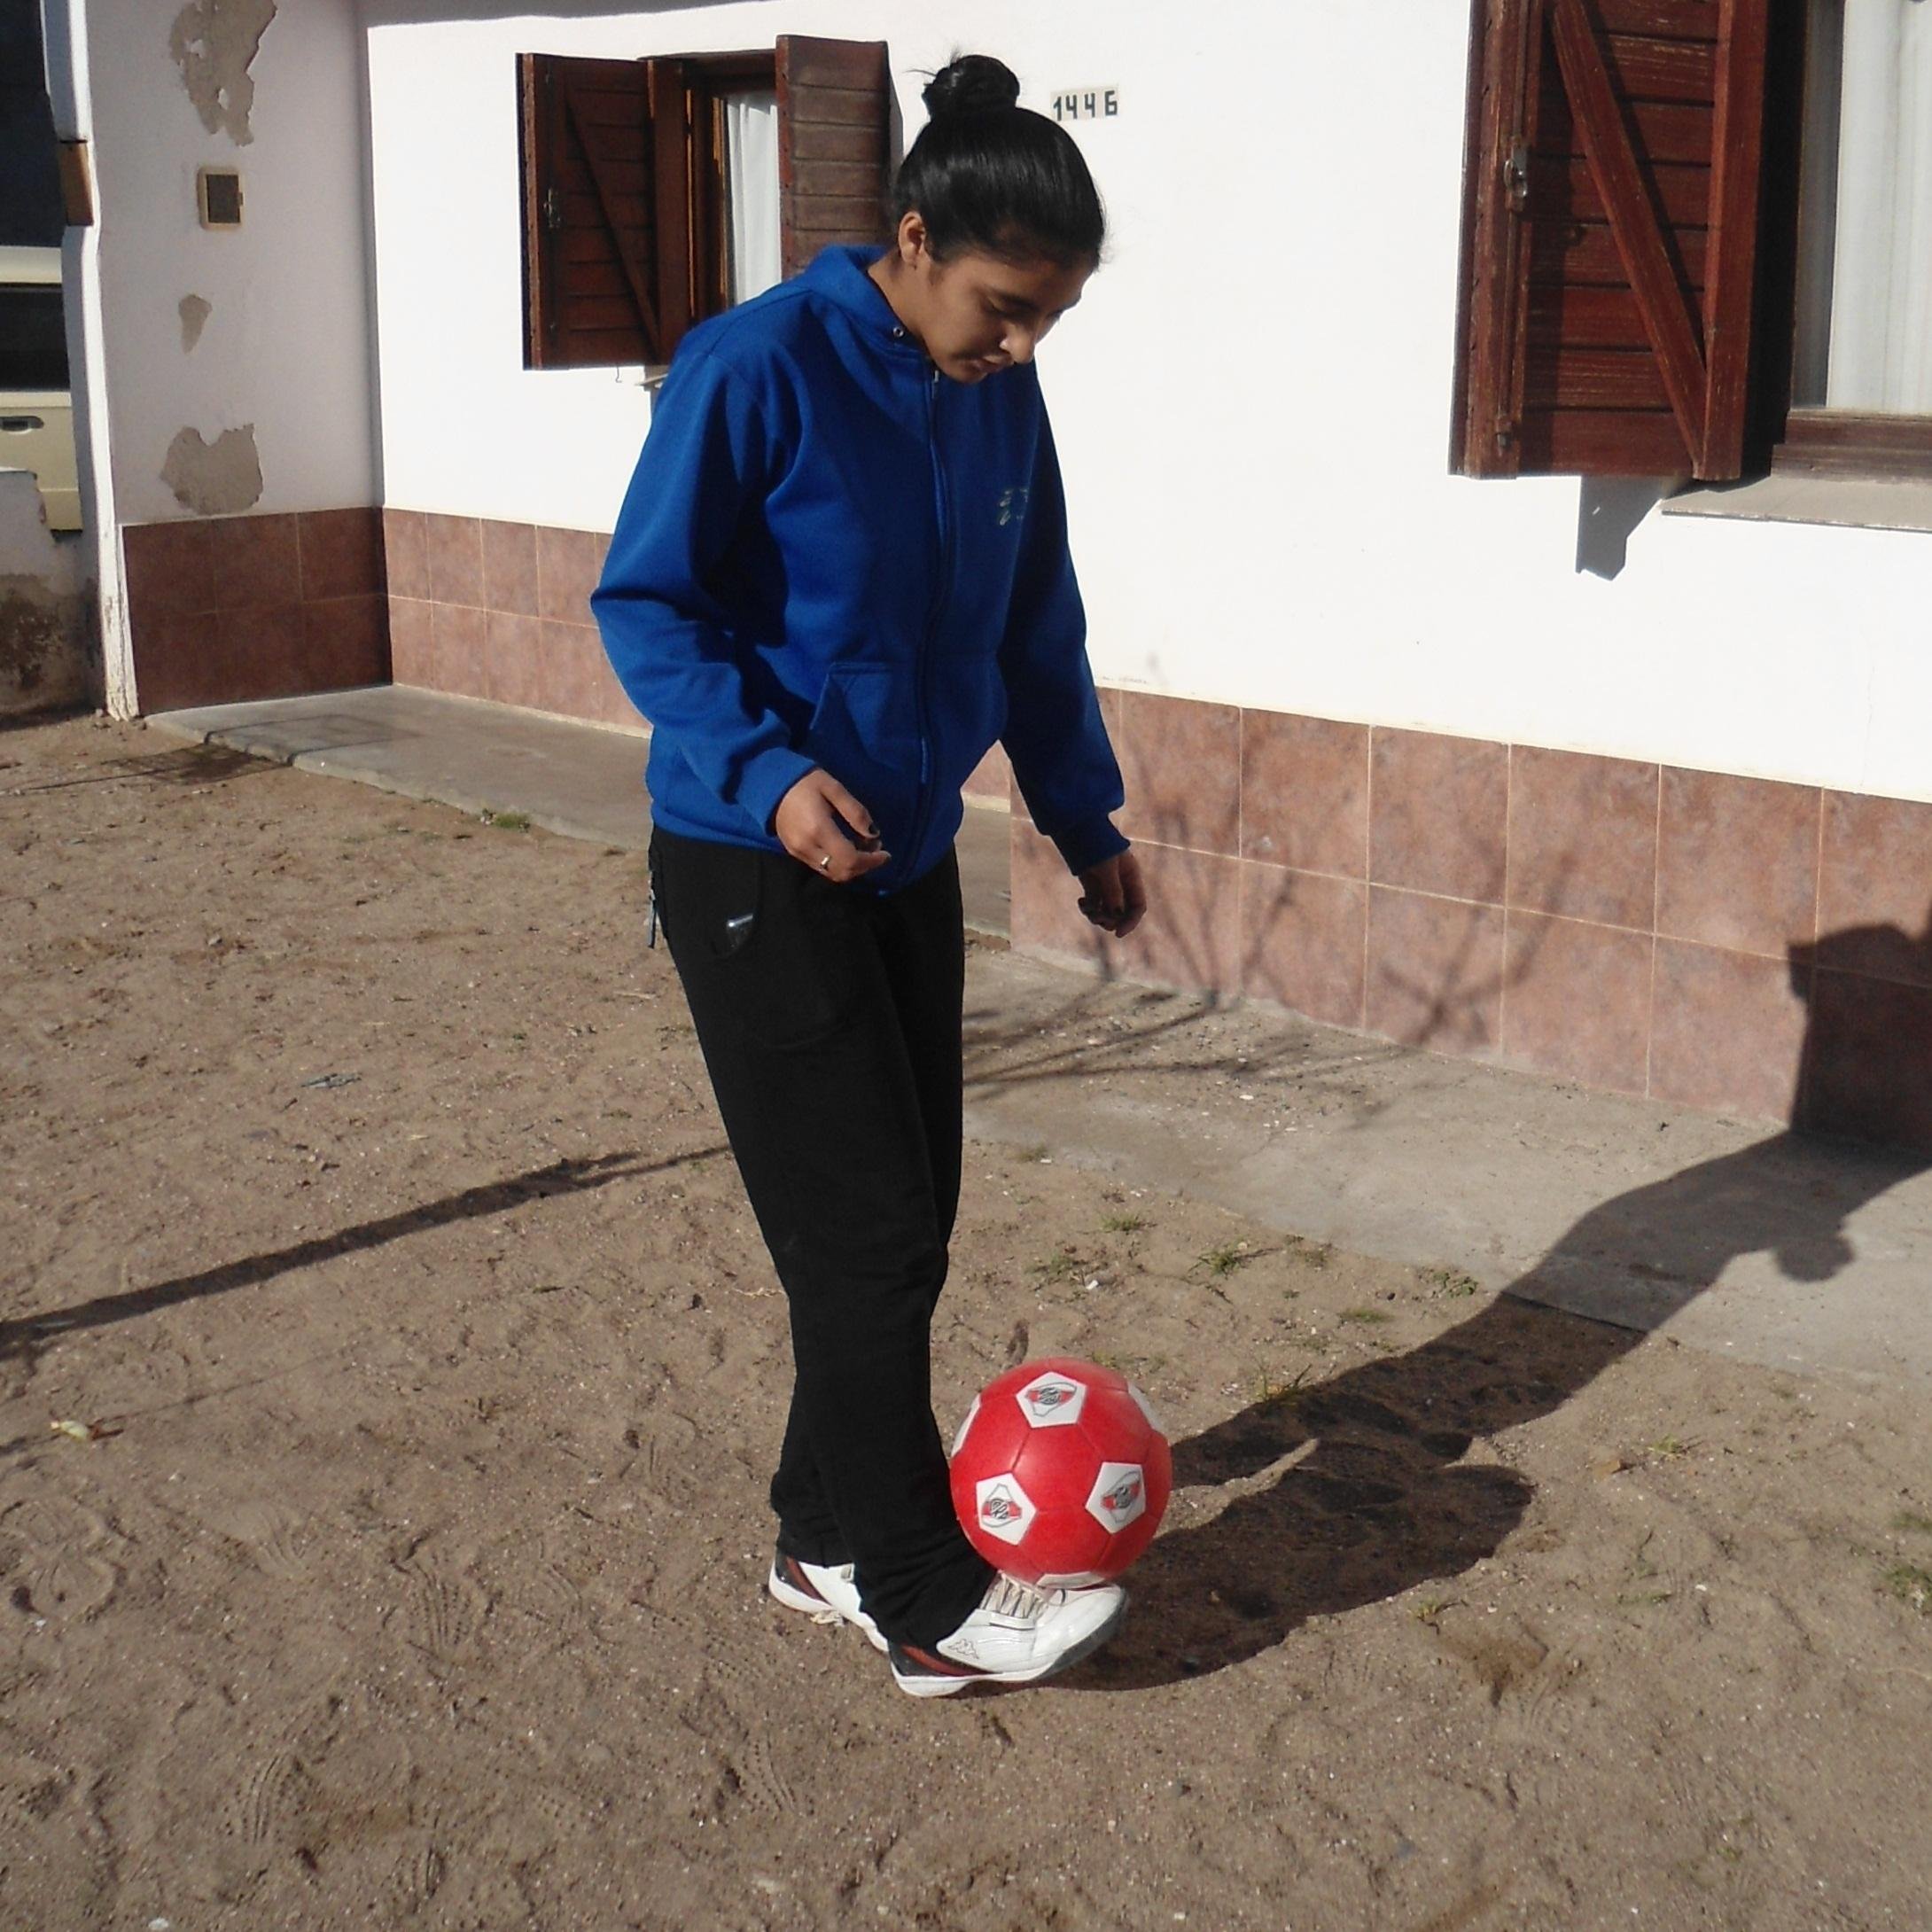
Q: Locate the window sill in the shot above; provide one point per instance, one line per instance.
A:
(1851, 503)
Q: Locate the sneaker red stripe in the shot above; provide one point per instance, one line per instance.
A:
(796, 1577)
(938, 1666)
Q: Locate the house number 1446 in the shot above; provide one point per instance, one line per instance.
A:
(1086, 104)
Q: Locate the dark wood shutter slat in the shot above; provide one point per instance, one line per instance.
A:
(1664, 130)
(670, 108)
(1563, 190)
(1657, 70)
(1602, 442)
(1738, 152)
(1614, 167)
(1582, 254)
(618, 212)
(587, 212)
(1611, 191)
(1664, 19)
(834, 106)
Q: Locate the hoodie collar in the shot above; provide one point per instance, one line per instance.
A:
(841, 274)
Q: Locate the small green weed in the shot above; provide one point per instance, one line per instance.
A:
(1912, 1523)
(1450, 1282)
(1267, 1392)
(1667, 1448)
(1911, 1584)
(1061, 1265)
(1039, 1151)
(1225, 1259)
(1367, 1317)
(1123, 1224)
(508, 821)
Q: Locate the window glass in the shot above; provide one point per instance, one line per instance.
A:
(1864, 273)
(750, 128)
(33, 339)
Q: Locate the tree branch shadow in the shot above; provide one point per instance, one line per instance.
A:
(22, 1335)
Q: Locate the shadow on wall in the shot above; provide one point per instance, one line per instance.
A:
(1608, 510)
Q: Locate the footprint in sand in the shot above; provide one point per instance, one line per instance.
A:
(49, 1560)
(446, 1606)
(270, 1536)
(273, 1794)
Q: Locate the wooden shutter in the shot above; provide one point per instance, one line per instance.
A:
(833, 137)
(1609, 236)
(591, 213)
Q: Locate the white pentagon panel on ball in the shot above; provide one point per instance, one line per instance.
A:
(971, 1416)
(1118, 1495)
(1075, 1579)
(1052, 1399)
(1147, 1409)
(1004, 1509)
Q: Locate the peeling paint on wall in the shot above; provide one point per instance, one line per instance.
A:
(195, 311)
(220, 479)
(214, 42)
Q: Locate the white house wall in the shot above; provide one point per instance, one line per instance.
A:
(280, 362)
(1252, 404)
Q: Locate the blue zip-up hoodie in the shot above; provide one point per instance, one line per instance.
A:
(830, 555)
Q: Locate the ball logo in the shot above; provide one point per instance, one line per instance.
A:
(1119, 1496)
(1052, 1400)
(1004, 1509)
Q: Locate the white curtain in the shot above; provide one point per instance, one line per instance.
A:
(1879, 353)
(752, 203)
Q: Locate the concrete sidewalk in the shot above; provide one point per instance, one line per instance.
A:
(1729, 1237)
(584, 780)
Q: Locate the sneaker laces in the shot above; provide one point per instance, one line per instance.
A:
(1007, 1596)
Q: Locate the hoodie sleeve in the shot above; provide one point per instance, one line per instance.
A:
(703, 461)
(1054, 735)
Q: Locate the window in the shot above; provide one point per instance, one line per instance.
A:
(33, 335)
(658, 192)
(1861, 379)
(1697, 239)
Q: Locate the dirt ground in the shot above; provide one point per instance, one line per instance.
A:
(366, 1213)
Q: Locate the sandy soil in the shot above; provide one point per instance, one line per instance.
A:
(364, 1193)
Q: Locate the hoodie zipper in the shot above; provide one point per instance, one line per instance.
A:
(941, 588)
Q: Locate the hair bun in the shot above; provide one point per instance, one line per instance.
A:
(971, 84)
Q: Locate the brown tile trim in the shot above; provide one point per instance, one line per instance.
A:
(1575, 999)
(1736, 918)
(220, 610)
(1438, 814)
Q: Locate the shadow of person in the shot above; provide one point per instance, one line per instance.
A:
(1358, 1489)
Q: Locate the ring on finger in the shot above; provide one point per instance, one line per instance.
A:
(825, 862)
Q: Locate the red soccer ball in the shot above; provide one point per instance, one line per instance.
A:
(1060, 1472)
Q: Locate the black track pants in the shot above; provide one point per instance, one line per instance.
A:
(830, 1020)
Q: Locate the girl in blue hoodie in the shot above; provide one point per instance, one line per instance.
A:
(840, 576)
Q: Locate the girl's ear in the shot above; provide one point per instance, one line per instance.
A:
(913, 241)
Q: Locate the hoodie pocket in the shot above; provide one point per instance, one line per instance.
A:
(866, 734)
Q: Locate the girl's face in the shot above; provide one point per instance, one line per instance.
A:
(975, 314)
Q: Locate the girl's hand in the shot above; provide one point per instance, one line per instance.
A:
(826, 830)
(1112, 895)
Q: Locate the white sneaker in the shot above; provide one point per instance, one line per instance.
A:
(1018, 1635)
(821, 1591)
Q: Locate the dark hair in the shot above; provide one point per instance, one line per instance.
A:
(988, 175)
